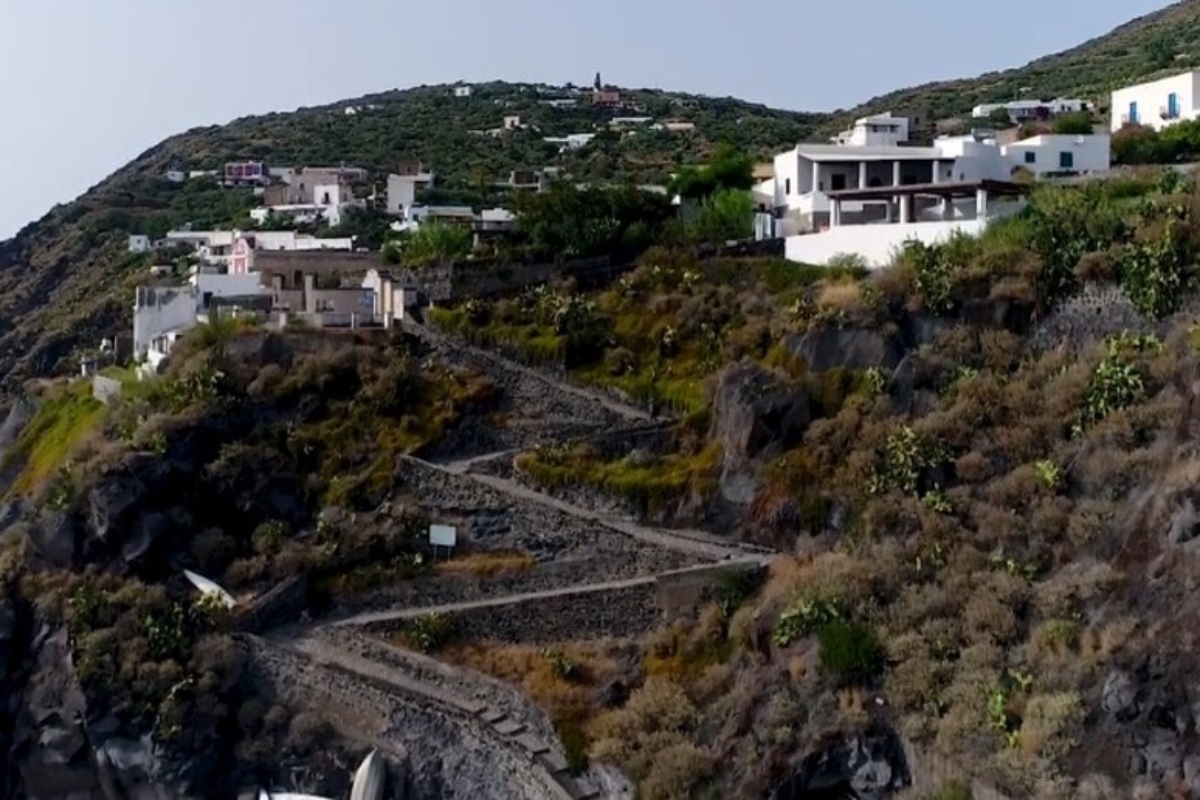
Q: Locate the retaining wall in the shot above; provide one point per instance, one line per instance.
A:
(624, 612)
(284, 601)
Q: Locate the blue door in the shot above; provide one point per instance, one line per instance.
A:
(1133, 115)
(1172, 106)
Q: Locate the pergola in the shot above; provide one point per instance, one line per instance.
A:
(946, 192)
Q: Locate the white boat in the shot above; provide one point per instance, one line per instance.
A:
(209, 587)
(370, 778)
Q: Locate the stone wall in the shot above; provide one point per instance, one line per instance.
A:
(446, 283)
(685, 592)
(627, 612)
(286, 262)
(284, 601)
(452, 751)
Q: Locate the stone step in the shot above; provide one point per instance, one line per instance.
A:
(553, 762)
(492, 715)
(508, 727)
(532, 743)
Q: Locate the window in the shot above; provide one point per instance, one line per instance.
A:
(837, 182)
(787, 186)
(1172, 106)
(1066, 160)
(1030, 157)
(1133, 112)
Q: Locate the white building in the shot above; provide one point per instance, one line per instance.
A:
(462, 91)
(1023, 110)
(878, 129)
(927, 213)
(872, 156)
(1060, 153)
(573, 141)
(160, 315)
(870, 194)
(241, 255)
(402, 190)
(139, 244)
(1157, 104)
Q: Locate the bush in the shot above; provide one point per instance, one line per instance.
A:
(850, 650)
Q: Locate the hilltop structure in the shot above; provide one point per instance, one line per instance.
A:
(871, 190)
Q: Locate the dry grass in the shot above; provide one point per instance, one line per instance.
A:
(842, 299)
(487, 565)
(570, 701)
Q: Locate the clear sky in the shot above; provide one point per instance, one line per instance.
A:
(86, 85)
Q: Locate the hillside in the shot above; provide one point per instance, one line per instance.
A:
(1155, 44)
(65, 280)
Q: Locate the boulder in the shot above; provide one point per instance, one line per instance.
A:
(1119, 696)
(755, 415)
(55, 536)
(828, 347)
(871, 765)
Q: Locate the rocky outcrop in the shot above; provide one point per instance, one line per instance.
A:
(755, 415)
(872, 766)
(59, 753)
(828, 347)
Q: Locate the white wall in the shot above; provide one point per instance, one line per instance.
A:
(157, 310)
(875, 243)
(1152, 97)
(401, 193)
(1089, 153)
(222, 285)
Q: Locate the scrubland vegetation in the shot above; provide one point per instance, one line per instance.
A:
(222, 464)
(971, 509)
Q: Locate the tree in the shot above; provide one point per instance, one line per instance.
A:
(1000, 118)
(434, 243)
(566, 221)
(1078, 124)
(729, 168)
(598, 84)
(725, 215)
(1137, 144)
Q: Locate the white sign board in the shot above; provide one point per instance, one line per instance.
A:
(442, 535)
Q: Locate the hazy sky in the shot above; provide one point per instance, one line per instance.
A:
(86, 85)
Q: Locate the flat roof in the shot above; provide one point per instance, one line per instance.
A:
(945, 190)
(840, 152)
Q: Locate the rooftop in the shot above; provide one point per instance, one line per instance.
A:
(842, 152)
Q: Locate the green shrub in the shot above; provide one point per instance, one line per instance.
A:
(428, 632)
(850, 650)
(804, 616)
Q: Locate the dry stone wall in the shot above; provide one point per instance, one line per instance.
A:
(456, 748)
(625, 612)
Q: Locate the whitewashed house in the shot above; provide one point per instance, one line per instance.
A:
(1026, 110)
(402, 189)
(1157, 104)
(161, 314)
(869, 193)
(1061, 153)
(572, 141)
(462, 91)
(140, 244)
